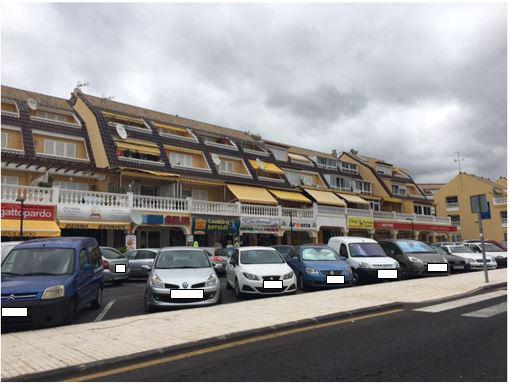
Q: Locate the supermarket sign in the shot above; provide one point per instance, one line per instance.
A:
(30, 212)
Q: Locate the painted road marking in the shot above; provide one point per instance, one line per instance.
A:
(199, 352)
(489, 311)
(461, 302)
(105, 310)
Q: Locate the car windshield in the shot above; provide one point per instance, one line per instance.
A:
(284, 250)
(110, 254)
(460, 249)
(182, 258)
(366, 250)
(413, 246)
(440, 250)
(39, 261)
(319, 254)
(260, 256)
(490, 247)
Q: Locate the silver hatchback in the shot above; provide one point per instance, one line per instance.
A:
(140, 261)
(182, 277)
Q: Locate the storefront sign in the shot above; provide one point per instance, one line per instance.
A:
(380, 225)
(203, 225)
(94, 225)
(130, 242)
(360, 222)
(299, 224)
(177, 220)
(93, 213)
(259, 225)
(30, 212)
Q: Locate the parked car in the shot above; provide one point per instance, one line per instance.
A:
(366, 257)
(442, 243)
(140, 261)
(456, 263)
(473, 258)
(182, 276)
(45, 282)
(116, 266)
(318, 265)
(7, 246)
(219, 259)
(260, 271)
(492, 250)
(284, 250)
(501, 244)
(415, 257)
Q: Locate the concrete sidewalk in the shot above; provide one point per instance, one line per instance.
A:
(31, 352)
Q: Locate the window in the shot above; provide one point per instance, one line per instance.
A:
(383, 170)
(307, 179)
(56, 117)
(293, 177)
(456, 238)
(279, 153)
(422, 210)
(223, 142)
(175, 132)
(95, 255)
(349, 167)
(200, 194)
(375, 205)
(226, 166)
(343, 251)
(455, 220)
(362, 186)
(5, 140)
(327, 163)
(181, 159)
(451, 199)
(83, 258)
(10, 108)
(13, 180)
(59, 148)
(398, 190)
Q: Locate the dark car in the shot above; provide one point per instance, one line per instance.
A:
(456, 263)
(221, 258)
(319, 266)
(140, 261)
(46, 282)
(415, 257)
(284, 250)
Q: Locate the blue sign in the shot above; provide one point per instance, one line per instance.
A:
(153, 219)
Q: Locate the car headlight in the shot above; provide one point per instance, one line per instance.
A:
(363, 264)
(250, 276)
(289, 275)
(156, 281)
(211, 280)
(54, 292)
(312, 271)
(414, 259)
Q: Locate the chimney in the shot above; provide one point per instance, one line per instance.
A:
(335, 153)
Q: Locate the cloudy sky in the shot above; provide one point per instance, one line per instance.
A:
(407, 83)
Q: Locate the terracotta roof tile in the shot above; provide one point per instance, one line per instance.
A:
(43, 100)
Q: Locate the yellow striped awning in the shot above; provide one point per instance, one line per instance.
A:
(133, 172)
(70, 224)
(325, 197)
(172, 148)
(125, 119)
(267, 167)
(290, 196)
(170, 127)
(31, 228)
(201, 182)
(392, 200)
(297, 157)
(352, 198)
(142, 147)
(255, 195)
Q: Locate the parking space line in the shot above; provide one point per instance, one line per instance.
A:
(488, 311)
(461, 302)
(105, 310)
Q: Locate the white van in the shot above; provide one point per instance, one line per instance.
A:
(366, 257)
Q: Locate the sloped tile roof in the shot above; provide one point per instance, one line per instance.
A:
(43, 100)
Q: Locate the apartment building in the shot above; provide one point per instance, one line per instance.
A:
(108, 169)
(453, 200)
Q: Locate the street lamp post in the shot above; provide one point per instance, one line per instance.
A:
(22, 201)
(413, 231)
(291, 227)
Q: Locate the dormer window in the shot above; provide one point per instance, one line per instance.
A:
(232, 166)
(281, 154)
(325, 162)
(187, 158)
(267, 171)
(221, 142)
(55, 117)
(383, 170)
(254, 147)
(10, 108)
(299, 159)
(349, 167)
(129, 123)
(175, 132)
(138, 150)
(399, 190)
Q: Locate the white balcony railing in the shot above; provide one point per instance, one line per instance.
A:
(451, 207)
(325, 210)
(301, 213)
(31, 194)
(359, 212)
(156, 203)
(215, 208)
(499, 200)
(259, 210)
(102, 199)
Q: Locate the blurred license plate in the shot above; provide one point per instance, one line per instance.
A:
(120, 268)
(388, 274)
(335, 279)
(273, 284)
(186, 294)
(437, 267)
(14, 312)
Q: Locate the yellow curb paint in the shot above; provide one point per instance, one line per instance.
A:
(203, 351)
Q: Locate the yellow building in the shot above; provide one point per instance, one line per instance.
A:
(453, 200)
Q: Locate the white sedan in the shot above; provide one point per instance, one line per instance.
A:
(260, 271)
(471, 257)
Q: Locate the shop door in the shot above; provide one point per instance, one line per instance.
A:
(150, 239)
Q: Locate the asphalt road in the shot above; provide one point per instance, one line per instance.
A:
(407, 345)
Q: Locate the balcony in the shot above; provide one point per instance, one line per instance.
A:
(32, 195)
(500, 201)
(424, 219)
(451, 207)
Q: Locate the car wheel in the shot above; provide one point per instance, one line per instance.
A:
(98, 301)
(302, 284)
(148, 306)
(238, 293)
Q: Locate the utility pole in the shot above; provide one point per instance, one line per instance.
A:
(477, 202)
(22, 201)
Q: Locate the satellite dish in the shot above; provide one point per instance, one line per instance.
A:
(216, 159)
(121, 131)
(32, 104)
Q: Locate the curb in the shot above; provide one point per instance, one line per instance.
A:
(81, 369)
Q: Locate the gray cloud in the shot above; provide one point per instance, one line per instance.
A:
(409, 83)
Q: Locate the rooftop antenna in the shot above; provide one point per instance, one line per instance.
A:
(458, 160)
(81, 84)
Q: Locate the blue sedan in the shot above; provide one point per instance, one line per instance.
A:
(319, 266)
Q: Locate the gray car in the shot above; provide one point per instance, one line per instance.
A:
(115, 264)
(140, 261)
(182, 277)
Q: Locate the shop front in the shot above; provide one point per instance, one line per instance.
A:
(298, 230)
(262, 231)
(38, 221)
(213, 231)
(161, 230)
(360, 226)
(422, 232)
(108, 225)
